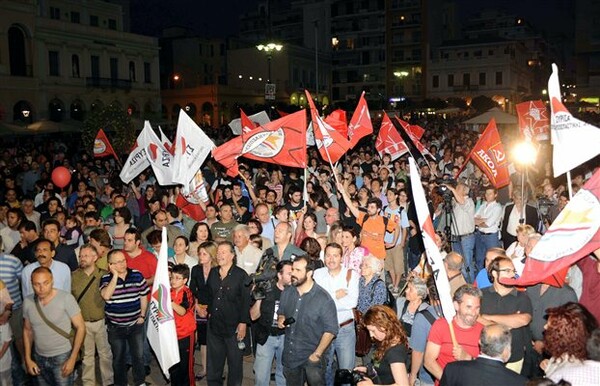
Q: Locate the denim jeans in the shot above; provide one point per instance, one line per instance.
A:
(119, 338)
(343, 347)
(484, 242)
(50, 370)
(273, 347)
(312, 373)
(465, 247)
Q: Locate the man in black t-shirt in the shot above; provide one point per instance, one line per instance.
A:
(240, 205)
(295, 203)
(269, 337)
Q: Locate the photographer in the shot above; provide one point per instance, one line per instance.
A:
(463, 227)
(392, 343)
(269, 337)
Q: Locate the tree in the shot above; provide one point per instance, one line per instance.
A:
(117, 125)
(483, 103)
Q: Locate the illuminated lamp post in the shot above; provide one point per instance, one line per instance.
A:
(524, 154)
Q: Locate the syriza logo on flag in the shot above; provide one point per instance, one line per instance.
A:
(389, 140)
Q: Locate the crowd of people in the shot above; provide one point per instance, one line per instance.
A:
(291, 267)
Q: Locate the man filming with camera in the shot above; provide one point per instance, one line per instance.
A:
(269, 336)
(463, 227)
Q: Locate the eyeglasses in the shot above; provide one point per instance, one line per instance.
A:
(509, 270)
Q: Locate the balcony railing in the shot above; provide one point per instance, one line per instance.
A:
(121, 84)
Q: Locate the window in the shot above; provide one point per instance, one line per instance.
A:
(54, 13)
(498, 78)
(114, 68)
(466, 79)
(482, 78)
(112, 24)
(132, 71)
(147, 73)
(95, 66)
(450, 80)
(94, 20)
(436, 81)
(75, 17)
(75, 66)
(17, 52)
(53, 63)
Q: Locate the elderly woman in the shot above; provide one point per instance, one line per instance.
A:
(412, 302)
(565, 337)
(371, 289)
(391, 341)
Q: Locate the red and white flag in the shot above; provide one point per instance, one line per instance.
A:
(389, 140)
(166, 141)
(574, 141)
(137, 161)
(227, 155)
(259, 118)
(360, 124)
(247, 124)
(411, 135)
(331, 144)
(573, 235)
(161, 159)
(102, 146)
(416, 131)
(488, 153)
(534, 122)
(281, 142)
(192, 147)
(161, 330)
(434, 257)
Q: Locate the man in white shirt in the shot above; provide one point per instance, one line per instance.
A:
(463, 228)
(247, 255)
(487, 222)
(342, 285)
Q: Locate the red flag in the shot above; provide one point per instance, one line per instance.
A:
(416, 130)
(102, 146)
(282, 142)
(193, 210)
(332, 145)
(488, 153)
(282, 113)
(360, 124)
(573, 235)
(227, 155)
(337, 120)
(414, 139)
(247, 124)
(534, 122)
(389, 140)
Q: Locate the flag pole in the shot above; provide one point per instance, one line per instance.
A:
(569, 185)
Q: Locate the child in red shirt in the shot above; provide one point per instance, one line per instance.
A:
(182, 301)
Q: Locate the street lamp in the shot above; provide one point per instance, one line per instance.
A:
(270, 89)
(26, 113)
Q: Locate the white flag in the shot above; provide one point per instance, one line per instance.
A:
(262, 118)
(165, 140)
(160, 158)
(161, 333)
(192, 147)
(431, 250)
(574, 141)
(138, 159)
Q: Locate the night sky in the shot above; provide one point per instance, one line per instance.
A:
(219, 18)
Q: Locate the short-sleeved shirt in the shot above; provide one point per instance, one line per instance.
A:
(92, 303)
(61, 274)
(11, 269)
(315, 314)
(400, 218)
(373, 233)
(395, 354)
(418, 338)
(468, 338)
(59, 311)
(512, 303)
(223, 230)
(184, 324)
(124, 307)
(145, 263)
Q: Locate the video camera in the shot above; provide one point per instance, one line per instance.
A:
(265, 276)
(442, 187)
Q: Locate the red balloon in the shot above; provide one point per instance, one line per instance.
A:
(61, 176)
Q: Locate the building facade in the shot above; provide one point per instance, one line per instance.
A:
(66, 58)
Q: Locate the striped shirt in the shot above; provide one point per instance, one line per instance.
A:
(10, 273)
(124, 307)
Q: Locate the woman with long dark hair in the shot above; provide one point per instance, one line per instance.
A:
(391, 352)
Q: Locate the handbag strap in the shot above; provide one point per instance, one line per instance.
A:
(85, 289)
(53, 326)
